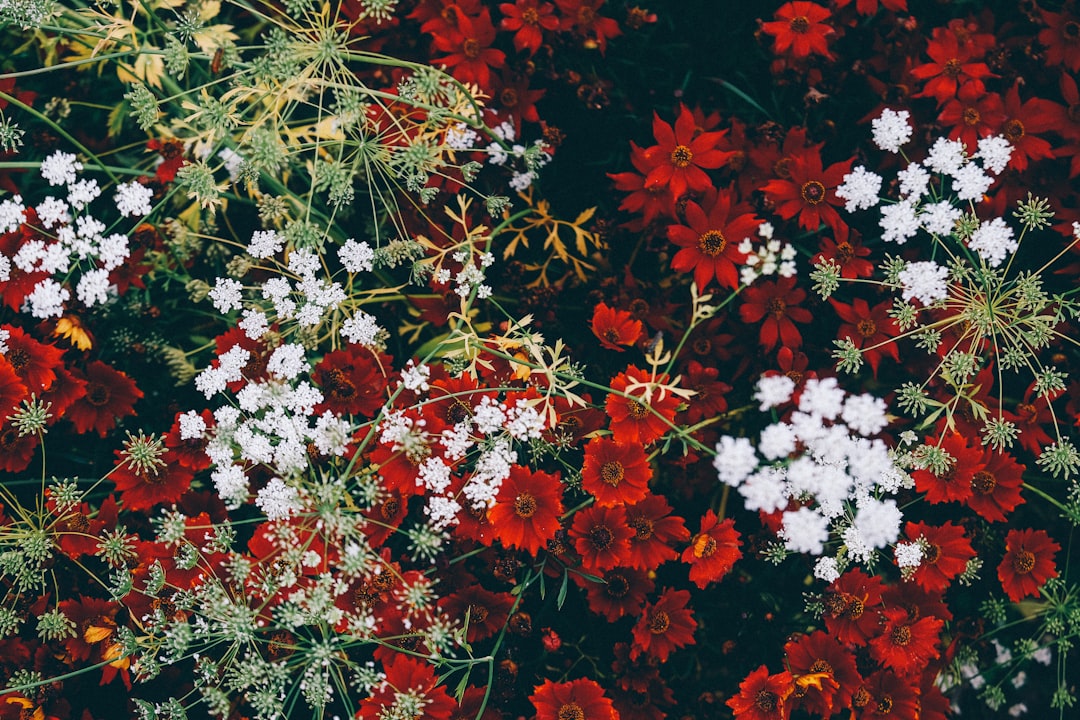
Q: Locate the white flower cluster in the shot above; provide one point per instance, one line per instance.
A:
(471, 276)
(825, 458)
(71, 243)
(534, 158)
(771, 258)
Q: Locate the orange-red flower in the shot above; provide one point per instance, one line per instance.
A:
(470, 56)
(799, 29)
(615, 328)
(713, 551)
(809, 191)
(528, 19)
(682, 154)
(906, 645)
(615, 473)
(824, 671)
(950, 65)
(953, 485)
(637, 419)
(665, 626)
(763, 696)
(776, 303)
(527, 509)
(110, 395)
(946, 552)
(406, 675)
(710, 241)
(580, 699)
(995, 488)
(851, 604)
(656, 532)
(1028, 563)
(601, 536)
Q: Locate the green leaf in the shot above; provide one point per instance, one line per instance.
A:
(562, 591)
(117, 116)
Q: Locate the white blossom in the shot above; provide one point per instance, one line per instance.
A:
(860, 189)
(278, 500)
(891, 129)
(133, 199)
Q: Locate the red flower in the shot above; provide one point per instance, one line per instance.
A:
(946, 552)
(848, 254)
(1061, 38)
(64, 391)
(763, 696)
(601, 537)
(471, 56)
(871, 329)
(949, 67)
(870, 7)
(527, 509)
(799, 30)
(580, 699)
(640, 420)
(1028, 563)
(906, 645)
(708, 399)
(144, 485)
(110, 395)
(953, 485)
(405, 675)
(652, 201)
(16, 451)
(665, 626)
(973, 114)
(995, 489)
(353, 381)
(12, 388)
(887, 696)
(614, 327)
(713, 551)
(851, 604)
(527, 19)
(682, 154)
(810, 193)
(615, 473)
(656, 532)
(776, 303)
(582, 17)
(1036, 115)
(516, 100)
(35, 363)
(487, 611)
(622, 592)
(710, 245)
(824, 671)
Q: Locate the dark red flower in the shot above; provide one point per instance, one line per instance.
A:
(813, 661)
(656, 532)
(681, 155)
(652, 201)
(407, 676)
(886, 696)
(708, 399)
(1028, 563)
(953, 485)
(144, 485)
(615, 473)
(12, 388)
(799, 29)
(16, 451)
(763, 696)
(621, 592)
(486, 611)
(1035, 115)
(65, 390)
(580, 699)
(470, 56)
(34, 362)
(810, 193)
(353, 381)
(849, 254)
(906, 645)
(714, 551)
(851, 605)
(601, 537)
(527, 19)
(775, 302)
(665, 626)
(583, 17)
(950, 65)
(646, 418)
(995, 488)
(527, 509)
(1061, 36)
(110, 395)
(972, 114)
(615, 328)
(946, 552)
(710, 242)
(871, 329)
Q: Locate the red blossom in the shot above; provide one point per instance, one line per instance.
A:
(995, 488)
(972, 114)
(665, 626)
(656, 532)
(110, 395)
(527, 509)
(954, 484)
(575, 699)
(871, 329)
(710, 240)
(906, 645)
(950, 65)
(622, 592)
(682, 154)
(1061, 36)
(714, 551)
(615, 473)
(777, 304)
(527, 19)
(810, 193)
(799, 30)
(601, 536)
(406, 675)
(616, 329)
(946, 552)
(1028, 563)
(763, 696)
(470, 56)
(353, 381)
(641, 420)
(822, 655)
(584, 18)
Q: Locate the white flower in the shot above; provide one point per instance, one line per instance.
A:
(415, 377)
(924, 281)
(826, 569)
(860, 188)
(47, 299)
(231, 484)
(60, 168)
(804, 531)
(777, 441)
(254, 324)
(133, 199)
(227, 295)
(83, 193)
(970, 182)
(865, 414)
(765, 490)
(287, 361)
(304, 263)
(993, 240)
(361, 329)
(773, 390)
(946, 156)
(914, 180)
(898, 222)
(192, 426)
(878, 522)
(53, 211)
(265, 243)
(908, 555)
(12, 214)
(995, 152)
(939, 218)
(735, 460)
(356, 256)
(278, 500)
(822, 397)
(93, 287)
(891, 129)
